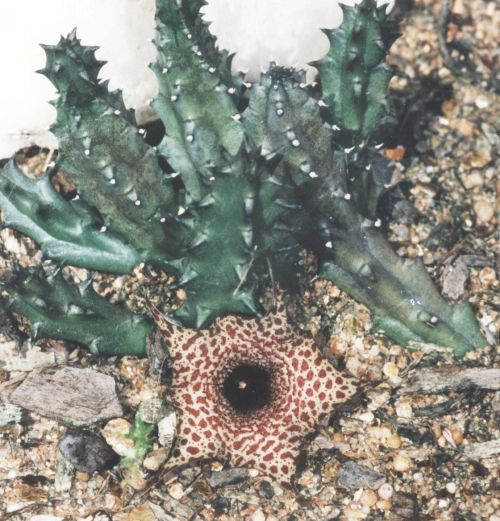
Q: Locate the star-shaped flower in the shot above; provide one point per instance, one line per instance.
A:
(247, 391)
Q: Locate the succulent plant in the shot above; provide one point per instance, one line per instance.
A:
(245, 177)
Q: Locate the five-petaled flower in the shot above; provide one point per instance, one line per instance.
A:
(247, 391)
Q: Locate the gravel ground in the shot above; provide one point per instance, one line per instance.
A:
(409, 447)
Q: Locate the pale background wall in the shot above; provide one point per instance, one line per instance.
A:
(286, 31)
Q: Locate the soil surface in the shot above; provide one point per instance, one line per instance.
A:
(410, 447)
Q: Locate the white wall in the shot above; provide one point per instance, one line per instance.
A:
(258, 30)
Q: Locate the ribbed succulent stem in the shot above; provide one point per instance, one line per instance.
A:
(405, 303)
(68, 232)
(56, 308)
(354, 74)
(105, 156)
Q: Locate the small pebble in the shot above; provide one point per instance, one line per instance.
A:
(87, 451)
(436, 429)
(487, 276)
(258, 515)
(457, 435)
(451, 487)
(351, 512)
(383, 504)
(481, 102)
(404, 410)
(484, 211)
(82, 476)
(390, 369)
(115, 433)
(385, 491)
(152, 410)
(367, 417)
(155, 459)
(401, 463)
(368, 498)
(393, 442)
(167, 427)
(137, 482)
(473, 180)
(227, 477)
(176, 490)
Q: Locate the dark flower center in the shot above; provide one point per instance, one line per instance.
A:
(248, 388)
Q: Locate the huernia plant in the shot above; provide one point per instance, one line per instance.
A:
(245, 178)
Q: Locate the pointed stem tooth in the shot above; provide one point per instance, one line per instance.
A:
(249, 205)
(423, 316)
(366, 271)
(247, 235)
(197, 241)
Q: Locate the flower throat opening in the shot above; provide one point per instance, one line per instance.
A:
(248, 388)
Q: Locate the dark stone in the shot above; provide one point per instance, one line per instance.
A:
(410, 434)
(266, 489)
(34, 480)
(221, 505)
(87, 451)
(354, 476)
(405, 506)
(227, 477)
(479, 469)
(404, 212)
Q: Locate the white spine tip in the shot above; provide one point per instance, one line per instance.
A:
(174, 98)
(112, 181)
(329, 244)
(116, 112)
(296, 143)
(87, 152)
(313, 175)
(347, 197)
(137, 203)
(377, 223)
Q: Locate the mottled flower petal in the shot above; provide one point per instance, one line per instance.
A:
(248, 391)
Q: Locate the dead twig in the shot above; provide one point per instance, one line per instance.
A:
(446, 378)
